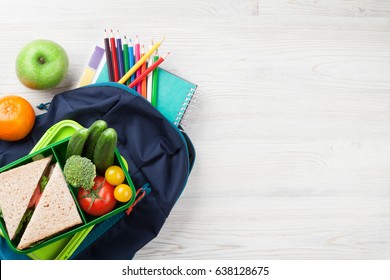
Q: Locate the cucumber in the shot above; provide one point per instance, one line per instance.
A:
(76, 142)
(103, 156)
(95, 130)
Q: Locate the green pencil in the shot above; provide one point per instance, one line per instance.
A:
(155, 81)
(126, 57)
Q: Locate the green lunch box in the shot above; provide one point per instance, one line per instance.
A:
(54, 142)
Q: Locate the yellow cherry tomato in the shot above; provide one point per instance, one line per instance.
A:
(123, 193)
(114, 175)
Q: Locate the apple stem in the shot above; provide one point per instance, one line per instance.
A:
(41, 60)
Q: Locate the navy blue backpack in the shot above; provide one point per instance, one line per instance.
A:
(160, 157)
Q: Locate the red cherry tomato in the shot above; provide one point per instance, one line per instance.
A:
(98, 201)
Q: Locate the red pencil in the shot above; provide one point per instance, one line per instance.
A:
(114, 58)
(150, 69)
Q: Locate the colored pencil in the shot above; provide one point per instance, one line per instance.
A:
(149, 78)
(140, 62)
(114, 58)
(143, 83)
(150, 69)
(119, 52)
(126, 60)
(131, 59)
(143, 69)
(108, 57)
(137, 56)
(139, 71)
(155, 82)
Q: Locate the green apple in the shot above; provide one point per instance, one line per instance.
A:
(41, 64)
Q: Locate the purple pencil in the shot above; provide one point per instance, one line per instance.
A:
(119, 52)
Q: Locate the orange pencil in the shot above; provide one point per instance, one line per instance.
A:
(143, 69)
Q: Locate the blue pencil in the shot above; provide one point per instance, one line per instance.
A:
(119, 52)
(131, 59)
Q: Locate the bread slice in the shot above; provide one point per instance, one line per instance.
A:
(17, 185)
(55, 212)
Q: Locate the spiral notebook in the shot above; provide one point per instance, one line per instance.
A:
(174, 93)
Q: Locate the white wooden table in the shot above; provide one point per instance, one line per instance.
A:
(292, 125)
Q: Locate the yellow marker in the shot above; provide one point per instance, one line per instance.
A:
(140, 62)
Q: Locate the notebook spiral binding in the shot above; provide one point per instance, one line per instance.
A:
(184, 117)
(185, 107)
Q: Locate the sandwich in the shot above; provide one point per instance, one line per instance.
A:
(36, 203)
(55, 212)
(17, 186)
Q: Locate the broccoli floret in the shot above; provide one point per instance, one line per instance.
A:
(80, 172)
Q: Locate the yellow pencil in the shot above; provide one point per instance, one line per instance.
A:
(140, 62)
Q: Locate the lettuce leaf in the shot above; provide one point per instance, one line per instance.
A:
(43, 183)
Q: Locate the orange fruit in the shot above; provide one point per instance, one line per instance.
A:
(17, 118)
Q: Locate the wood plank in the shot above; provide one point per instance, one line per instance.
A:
(278, 228)
(347, 8)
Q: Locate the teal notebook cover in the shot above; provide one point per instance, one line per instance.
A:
(174, 93)
(103, 75)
